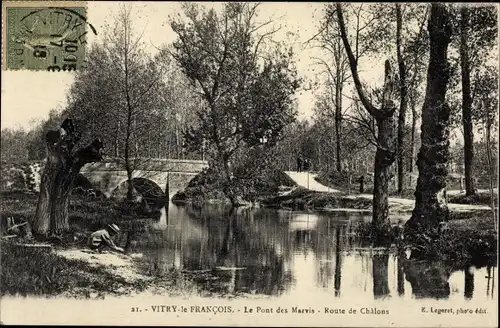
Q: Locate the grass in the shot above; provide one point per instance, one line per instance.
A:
(85, 215)
(462, 243)
(482, 198)
(49, 274)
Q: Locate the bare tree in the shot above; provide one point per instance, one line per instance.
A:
(410, 55)
(466, 101)
(336, 67)
(139, 79)
(386, 141)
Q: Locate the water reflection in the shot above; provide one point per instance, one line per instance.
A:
(338, 263)
(380, 275)
(469, 282)
(401, 274)
(272, 252)
(490, 277)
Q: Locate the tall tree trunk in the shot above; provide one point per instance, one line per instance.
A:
(430, 204)
(128, 165)
(404, 102)
(61, 169)
(128, 134)
(491, 171)
(386, 139)
(229, 187)
(466, 102)
(384, 157)
(413, 133)
(117, 139)
(338, 120)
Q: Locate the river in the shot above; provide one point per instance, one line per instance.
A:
(269, 252)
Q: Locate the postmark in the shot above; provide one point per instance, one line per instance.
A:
(45, 36)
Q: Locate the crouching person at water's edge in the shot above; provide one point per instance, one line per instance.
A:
(101, 239)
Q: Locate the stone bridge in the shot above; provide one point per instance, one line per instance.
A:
(173, 174)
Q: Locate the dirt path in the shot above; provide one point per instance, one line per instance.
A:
(307, 180)
(116, 264)
(406, 205)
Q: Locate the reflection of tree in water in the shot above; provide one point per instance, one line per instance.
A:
(380, 275)
(325, 261)
(428, 279)
(338, 263)
(331, 239)
(469, 282)
(401, 274)
(247, 255)
(490, 281)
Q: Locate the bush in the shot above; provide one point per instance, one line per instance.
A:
(208, 185)
(482, 198)
(204, 186)
(386, 234)
(302, 198)
(462, 247)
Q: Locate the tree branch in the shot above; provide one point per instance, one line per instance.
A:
(354, 65)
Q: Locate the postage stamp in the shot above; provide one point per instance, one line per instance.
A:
(44, 35)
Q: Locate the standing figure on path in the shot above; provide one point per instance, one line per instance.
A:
(306, 165)
(101, 239)
(299, 164)
(361, 181)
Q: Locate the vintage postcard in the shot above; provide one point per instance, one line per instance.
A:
(249, 164)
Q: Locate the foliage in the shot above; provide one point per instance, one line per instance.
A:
(13, 142)
(482, 32)
(247, 89)
(253, 184)
(464, 242)
(121, 93)
(301, 199)
(477, 198)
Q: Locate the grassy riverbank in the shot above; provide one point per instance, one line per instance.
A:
(70, 270)
(55, 270)
(41, 272)
(301, 199)
(340, 181)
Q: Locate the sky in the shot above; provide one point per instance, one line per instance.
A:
(28, 95)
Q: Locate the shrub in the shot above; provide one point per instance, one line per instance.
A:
(482, 198)
(208, 185)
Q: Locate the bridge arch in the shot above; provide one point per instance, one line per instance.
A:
(146, 188)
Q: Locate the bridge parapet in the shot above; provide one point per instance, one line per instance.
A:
(160, 165)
